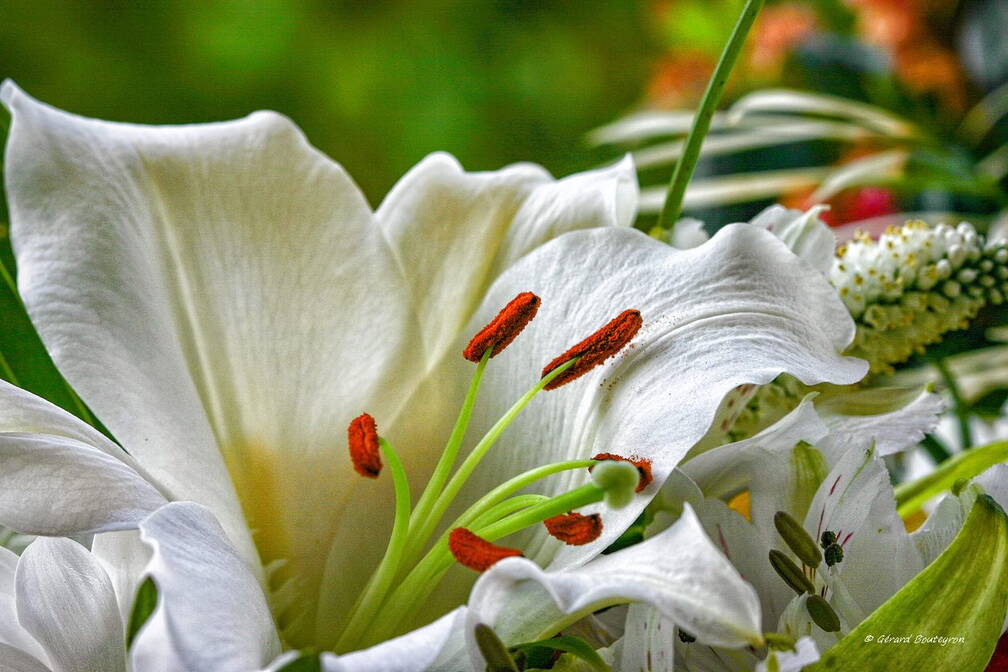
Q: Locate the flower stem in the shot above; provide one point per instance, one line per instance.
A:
(383, 576)
(702, 120)
(959, 405)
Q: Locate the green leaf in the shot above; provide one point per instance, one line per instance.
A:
(962, 467)
(575, 646)
(143, 606)
(962, 594)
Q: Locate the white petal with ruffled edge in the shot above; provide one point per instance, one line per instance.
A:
(891, 432)
(211, 612)
(679, 572)
(66, 601)
(739, 309)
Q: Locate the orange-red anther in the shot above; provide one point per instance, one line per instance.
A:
(642, 463)
(362, 436)
(597, 348)
(504, 328)
(574, 529)
(475, 552)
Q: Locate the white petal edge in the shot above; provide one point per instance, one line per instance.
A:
(65, 599)
(415, 651)
(679, 572)
(58, 486)
(211, 612)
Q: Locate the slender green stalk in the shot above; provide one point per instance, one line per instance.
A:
(508, 488)
(425, 528)
(441, 472)
(381, 580)
(702, 120)
(575, 499)
(506, 508)
(960, 408)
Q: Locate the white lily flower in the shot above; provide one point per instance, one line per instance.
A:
(225, 301)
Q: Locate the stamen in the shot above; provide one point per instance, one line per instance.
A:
(822, 613)
(362, 436)
(642, 463)
(574, 529)
(504, 328)
(475, 552)
(789, 572)
(797, 539)
(597, 348)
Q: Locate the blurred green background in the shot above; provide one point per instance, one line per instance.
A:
(376, 84)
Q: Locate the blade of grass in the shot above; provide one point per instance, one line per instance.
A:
(701, 122)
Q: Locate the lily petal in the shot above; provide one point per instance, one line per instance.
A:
(58, 486)
(211, 612)
(65, 599)
(739, 309)
(678, 572)
(11, 632)
(487, 221)
(13, 659)
(803, 232)
(209, 290)
(413, 652)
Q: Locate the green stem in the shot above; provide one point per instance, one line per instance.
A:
(383, 576)
(960, 408)
(935, 448)
(426, 527)
(702, 120)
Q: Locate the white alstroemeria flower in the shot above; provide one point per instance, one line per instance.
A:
(839, 486)
(225, 301)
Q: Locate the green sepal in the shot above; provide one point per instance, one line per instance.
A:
(575, 646)
(962, 467)
(143, 606)
(963, 593)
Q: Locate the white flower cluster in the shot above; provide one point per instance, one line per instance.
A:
(915, 284)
